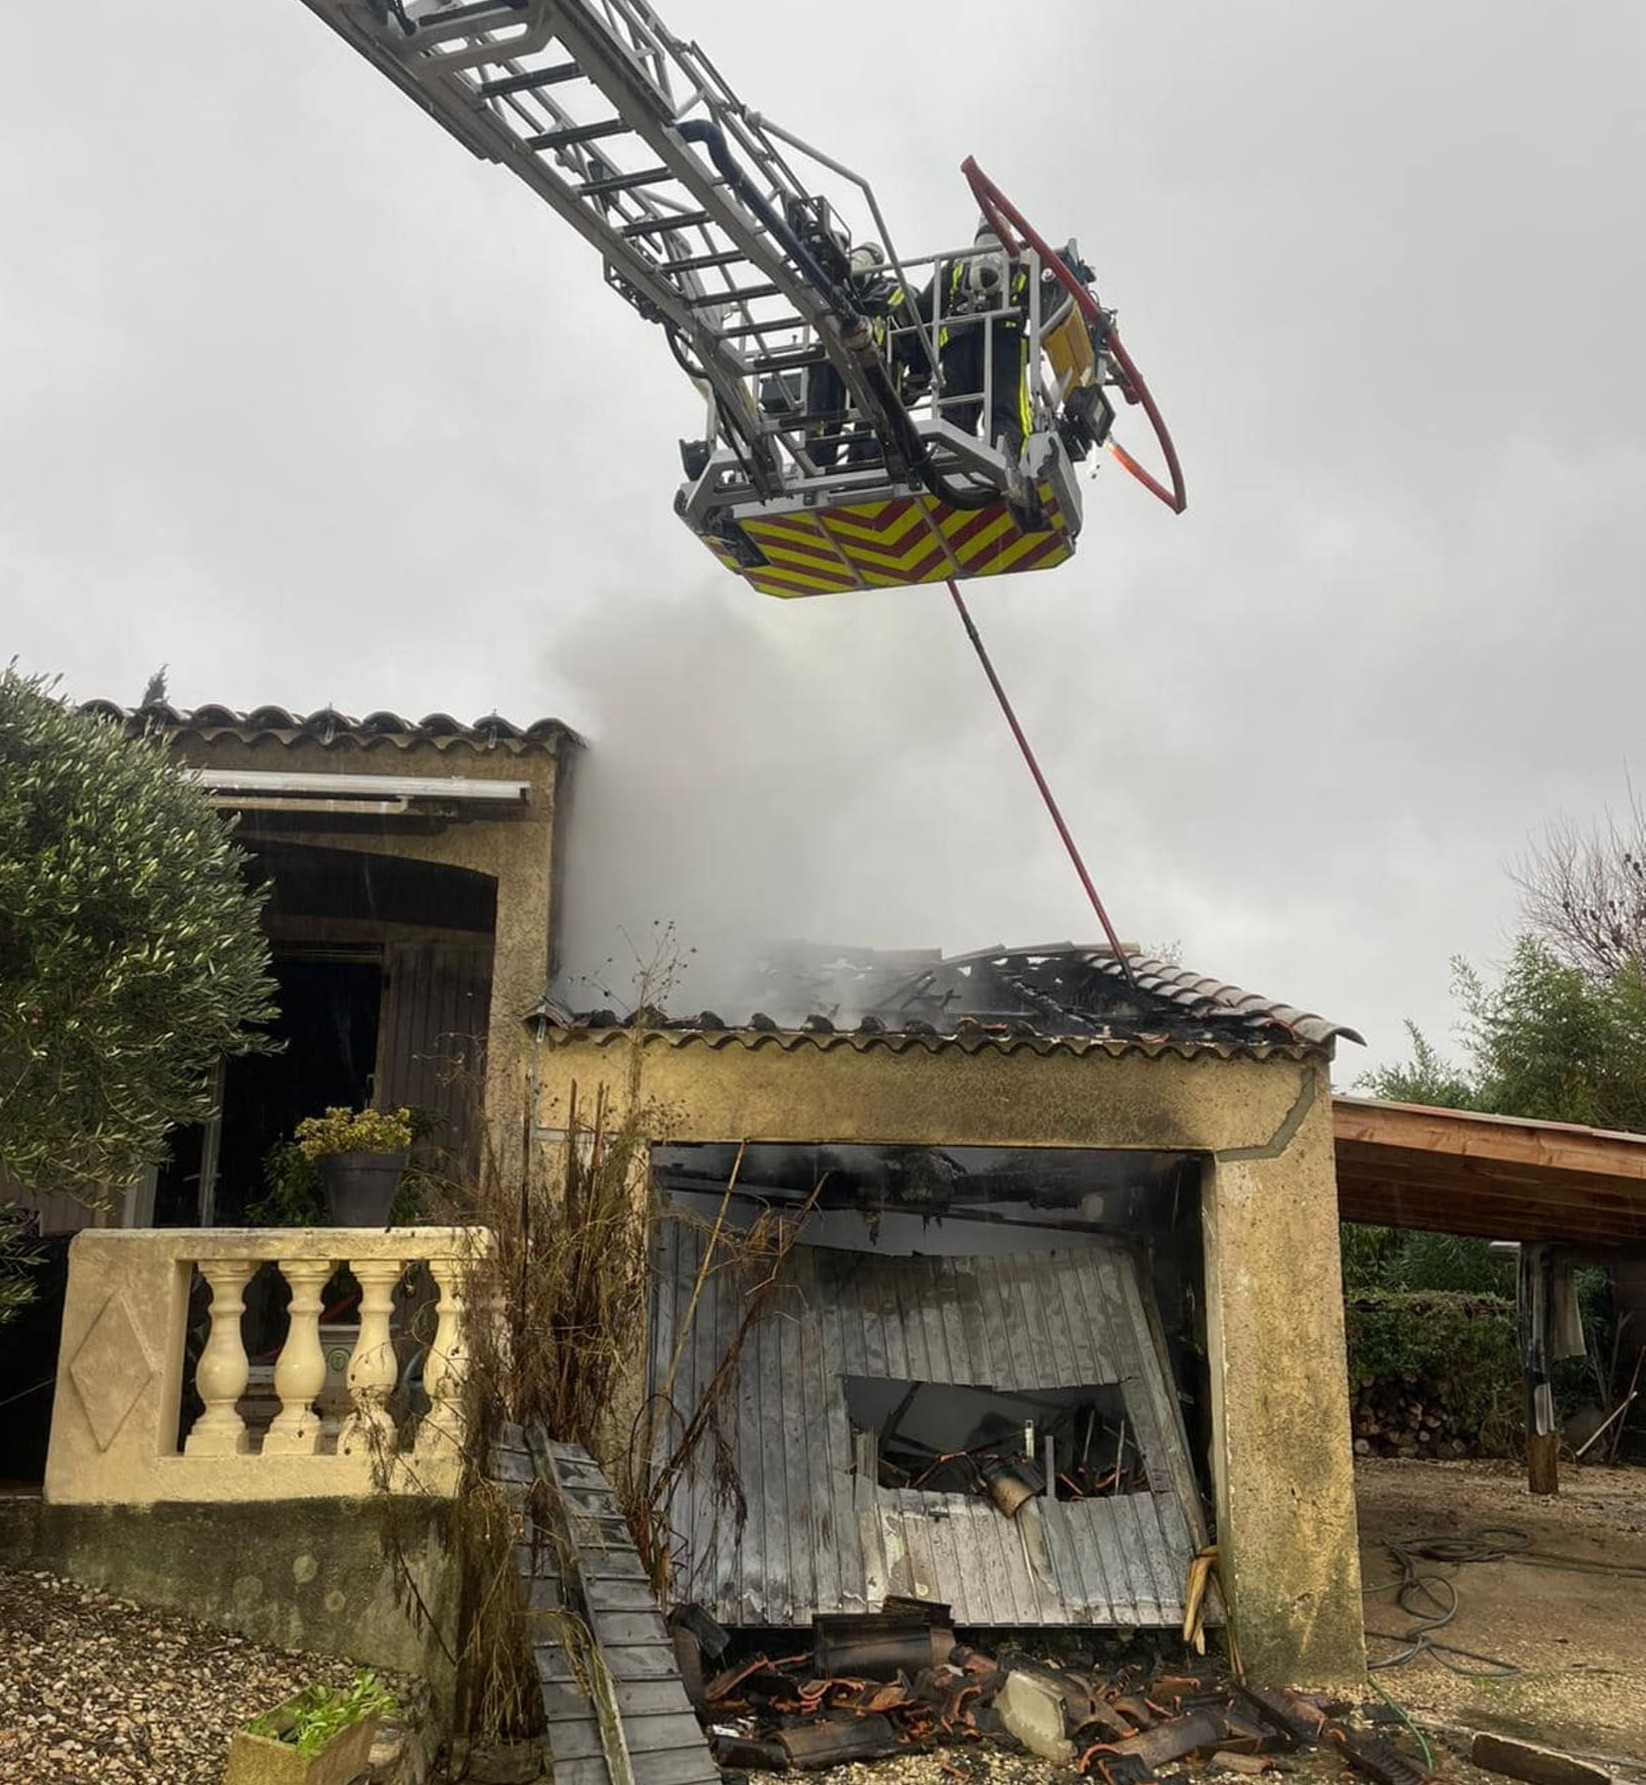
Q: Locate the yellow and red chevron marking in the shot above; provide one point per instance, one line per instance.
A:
(889, 544)
(723, 552)
(894, 543)
(801, 558)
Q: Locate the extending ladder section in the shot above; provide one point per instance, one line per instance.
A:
(631, 135)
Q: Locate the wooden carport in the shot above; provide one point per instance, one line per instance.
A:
(1495, 1177)
(1566, 1194)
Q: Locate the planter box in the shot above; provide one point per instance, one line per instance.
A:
(259, 1760)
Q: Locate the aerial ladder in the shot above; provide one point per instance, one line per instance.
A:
(850, 395)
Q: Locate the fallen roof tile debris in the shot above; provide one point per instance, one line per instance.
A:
(871, 1688)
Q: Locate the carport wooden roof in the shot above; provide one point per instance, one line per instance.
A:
(1498, 1177)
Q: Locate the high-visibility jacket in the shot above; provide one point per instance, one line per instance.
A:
(1016, 299)
(1009, 348)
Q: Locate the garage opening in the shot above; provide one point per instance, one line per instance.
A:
(981, 1383)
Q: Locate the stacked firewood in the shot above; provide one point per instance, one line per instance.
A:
(1411, 1416)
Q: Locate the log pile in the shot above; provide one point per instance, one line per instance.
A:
(1411, 1416)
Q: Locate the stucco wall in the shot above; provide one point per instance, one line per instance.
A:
(782, 1088)
(1283, 1459)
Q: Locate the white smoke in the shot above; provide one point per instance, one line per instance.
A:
(761, 772)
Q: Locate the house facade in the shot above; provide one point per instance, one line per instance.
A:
(1065, 1216)
(411, 868)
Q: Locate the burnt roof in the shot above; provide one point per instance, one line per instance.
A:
(1063, 996)
(328, 726)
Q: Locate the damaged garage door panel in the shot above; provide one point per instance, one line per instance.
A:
(1067, 1342)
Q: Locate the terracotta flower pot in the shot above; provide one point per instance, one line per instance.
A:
(360, 1187)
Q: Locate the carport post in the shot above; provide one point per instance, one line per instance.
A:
(1535, 1295)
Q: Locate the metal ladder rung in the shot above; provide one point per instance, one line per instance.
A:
(704, 300)
(758, 328)
(657, 226)
(576, 133)
(788, 362)
(652, 176)
(456, 22)
(475, 9)
(699, 261)
(529, 83)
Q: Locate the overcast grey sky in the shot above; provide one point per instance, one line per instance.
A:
(303, 401)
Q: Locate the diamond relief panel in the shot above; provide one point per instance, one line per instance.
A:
(111, 1369)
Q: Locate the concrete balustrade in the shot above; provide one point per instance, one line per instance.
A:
(114, 1437)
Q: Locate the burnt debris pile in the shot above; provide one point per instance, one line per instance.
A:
(874, 1688)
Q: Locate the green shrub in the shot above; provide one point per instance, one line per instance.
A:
(132, 958)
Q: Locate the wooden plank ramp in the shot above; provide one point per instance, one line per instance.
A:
(617, 1713)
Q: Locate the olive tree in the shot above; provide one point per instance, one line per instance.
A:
(131, 955)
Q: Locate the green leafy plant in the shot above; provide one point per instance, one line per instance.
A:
(318, 1713)
(132, 957)
(295, 1192)
(354, 1131)
(20, 1253)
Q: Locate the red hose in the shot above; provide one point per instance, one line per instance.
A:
(1040, 781)
(1003, 218)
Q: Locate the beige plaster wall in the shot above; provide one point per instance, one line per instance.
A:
(1282, 1461)
(924, 1096)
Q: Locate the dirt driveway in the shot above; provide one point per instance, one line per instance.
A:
(1576, 1627)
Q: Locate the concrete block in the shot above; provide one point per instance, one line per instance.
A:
(1537, 1766)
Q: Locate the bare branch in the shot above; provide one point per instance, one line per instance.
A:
(1583, 892)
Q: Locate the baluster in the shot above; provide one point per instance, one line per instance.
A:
(220, 1376)
(300, 1373)
(373, 1369)
(446, 1365)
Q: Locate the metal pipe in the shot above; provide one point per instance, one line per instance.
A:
(761, 122)
(713, 138)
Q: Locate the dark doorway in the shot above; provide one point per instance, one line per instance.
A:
(28, 1370)
(329, 1006)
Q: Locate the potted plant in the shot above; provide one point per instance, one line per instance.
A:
(361, 1154)
(323, 1736)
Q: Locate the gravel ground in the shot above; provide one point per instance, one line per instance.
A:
(973, 1766)
(98, 1691)
(1575, 1632)
(988, 1765)
(983, 1765)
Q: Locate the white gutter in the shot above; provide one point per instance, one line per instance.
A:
(349, 789)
